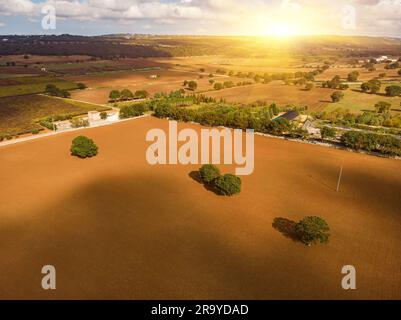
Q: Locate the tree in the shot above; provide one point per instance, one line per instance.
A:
(185, 83)
(209, 173)
(228, 185)
(382, 107)
(399, 72)
(218, 86)
(81, 86)
(275, 109)
(103, 115)
(337, 96)
(353, 76)
(192, 85)
(228, 84)
(394, 65)
(313, 230)
(83, 147)
(64, 94)
(51, 89)
(114, 95)
(327, 132)
(126, 94)
(134, 110)
(393, 91)
(141, 94)
(211, 81)
(372, 86)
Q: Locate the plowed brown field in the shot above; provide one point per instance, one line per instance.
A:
(116, 227)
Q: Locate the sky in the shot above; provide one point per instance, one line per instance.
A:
(281, 18)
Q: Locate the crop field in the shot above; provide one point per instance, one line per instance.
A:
(36, 59)
(18, 71)
(31, 85)
(365, 75)
(83, 67)
(20, 114)
(99, 86)
(212, 63)
(119, 228)
(316, 99)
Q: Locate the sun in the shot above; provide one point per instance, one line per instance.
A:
(281, 30)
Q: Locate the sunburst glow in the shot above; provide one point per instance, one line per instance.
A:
(281, 29)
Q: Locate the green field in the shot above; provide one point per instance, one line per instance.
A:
(19, 115)
(32, 85)
(356, 101)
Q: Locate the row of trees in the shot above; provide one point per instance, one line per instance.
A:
(359, 140)
(335, 83)
(53, 90)
(134, 110)
(259, 119)
(380, 117)
(298, 77)
(126, 95)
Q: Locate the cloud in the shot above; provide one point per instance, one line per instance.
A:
(2, 24)
(220, 16)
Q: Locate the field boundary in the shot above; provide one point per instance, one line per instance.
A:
(53, 133)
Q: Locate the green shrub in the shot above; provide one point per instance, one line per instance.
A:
(81, 86)
(126, 94)
(103, 115)
(53, 90)
(327, 132)
(313, 230)
(114, 95)
(132, 111)
(218, 86)
(83, 147)
(192, 85)
(367, 141)
(382, 107)
(228, 185)
(141, 94)
(209, 173)
(79, 123)
(393, 91)
(337, 96)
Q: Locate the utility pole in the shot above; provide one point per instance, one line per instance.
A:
(339, 178)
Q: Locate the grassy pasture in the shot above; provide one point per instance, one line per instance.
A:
(32, 85)
(357, 101)
(20, 114)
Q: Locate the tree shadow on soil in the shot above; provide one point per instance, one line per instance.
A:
(195, 175)
(286, 227)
